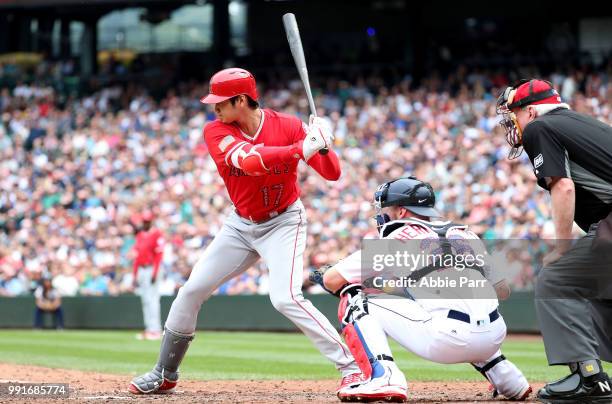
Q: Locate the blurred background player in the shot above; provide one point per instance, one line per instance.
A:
(571, 154)
(256, 152)
(438, 327)
(48, 301)
(149, 247)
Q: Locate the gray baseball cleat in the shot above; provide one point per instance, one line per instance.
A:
(157, 381)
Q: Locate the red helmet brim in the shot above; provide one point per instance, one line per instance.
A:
(213, 99)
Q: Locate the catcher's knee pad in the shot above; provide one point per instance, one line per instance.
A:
(352, 304)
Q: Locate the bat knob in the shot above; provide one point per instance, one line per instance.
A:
(324, 151)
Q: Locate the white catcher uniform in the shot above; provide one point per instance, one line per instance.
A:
(440, 330)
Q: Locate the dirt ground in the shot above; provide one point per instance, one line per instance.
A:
(93, 387)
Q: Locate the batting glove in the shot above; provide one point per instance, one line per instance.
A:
(318, 136)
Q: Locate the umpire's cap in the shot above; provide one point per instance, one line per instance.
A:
(410, 193)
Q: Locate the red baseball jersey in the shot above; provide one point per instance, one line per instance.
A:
(257, 197)
(149, 248)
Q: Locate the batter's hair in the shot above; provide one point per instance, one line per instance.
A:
(250, 102)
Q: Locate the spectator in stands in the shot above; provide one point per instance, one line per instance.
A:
(96, 284)
(64, 280)
(12, 282)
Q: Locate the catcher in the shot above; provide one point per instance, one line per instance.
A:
(438, 329)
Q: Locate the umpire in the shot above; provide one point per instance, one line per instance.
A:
(571, 154)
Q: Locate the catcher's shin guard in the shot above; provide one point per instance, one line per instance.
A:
(354, 344)
(164, 376)
(353, 314)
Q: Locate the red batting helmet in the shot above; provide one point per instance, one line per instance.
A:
(229, 83)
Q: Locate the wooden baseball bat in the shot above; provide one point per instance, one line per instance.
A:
(295, 44)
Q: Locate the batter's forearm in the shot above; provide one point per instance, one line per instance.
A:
(272, 155)
(328, 166)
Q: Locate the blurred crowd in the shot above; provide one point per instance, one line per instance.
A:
(75, 173)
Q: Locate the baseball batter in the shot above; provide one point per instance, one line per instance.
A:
(257, 152)
(441, 329)
(149, 252)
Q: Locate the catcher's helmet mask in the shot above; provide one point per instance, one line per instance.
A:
(408, 192)
(505, 106)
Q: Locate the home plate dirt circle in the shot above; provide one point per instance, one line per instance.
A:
(109, 388)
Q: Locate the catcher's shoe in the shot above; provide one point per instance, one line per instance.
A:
(158, 381)
(524, 395)
(506, 379)
(521, 396)
(391, 387)
(576, 388)
(350, 381)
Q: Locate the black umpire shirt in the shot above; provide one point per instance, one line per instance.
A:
(564, 143)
